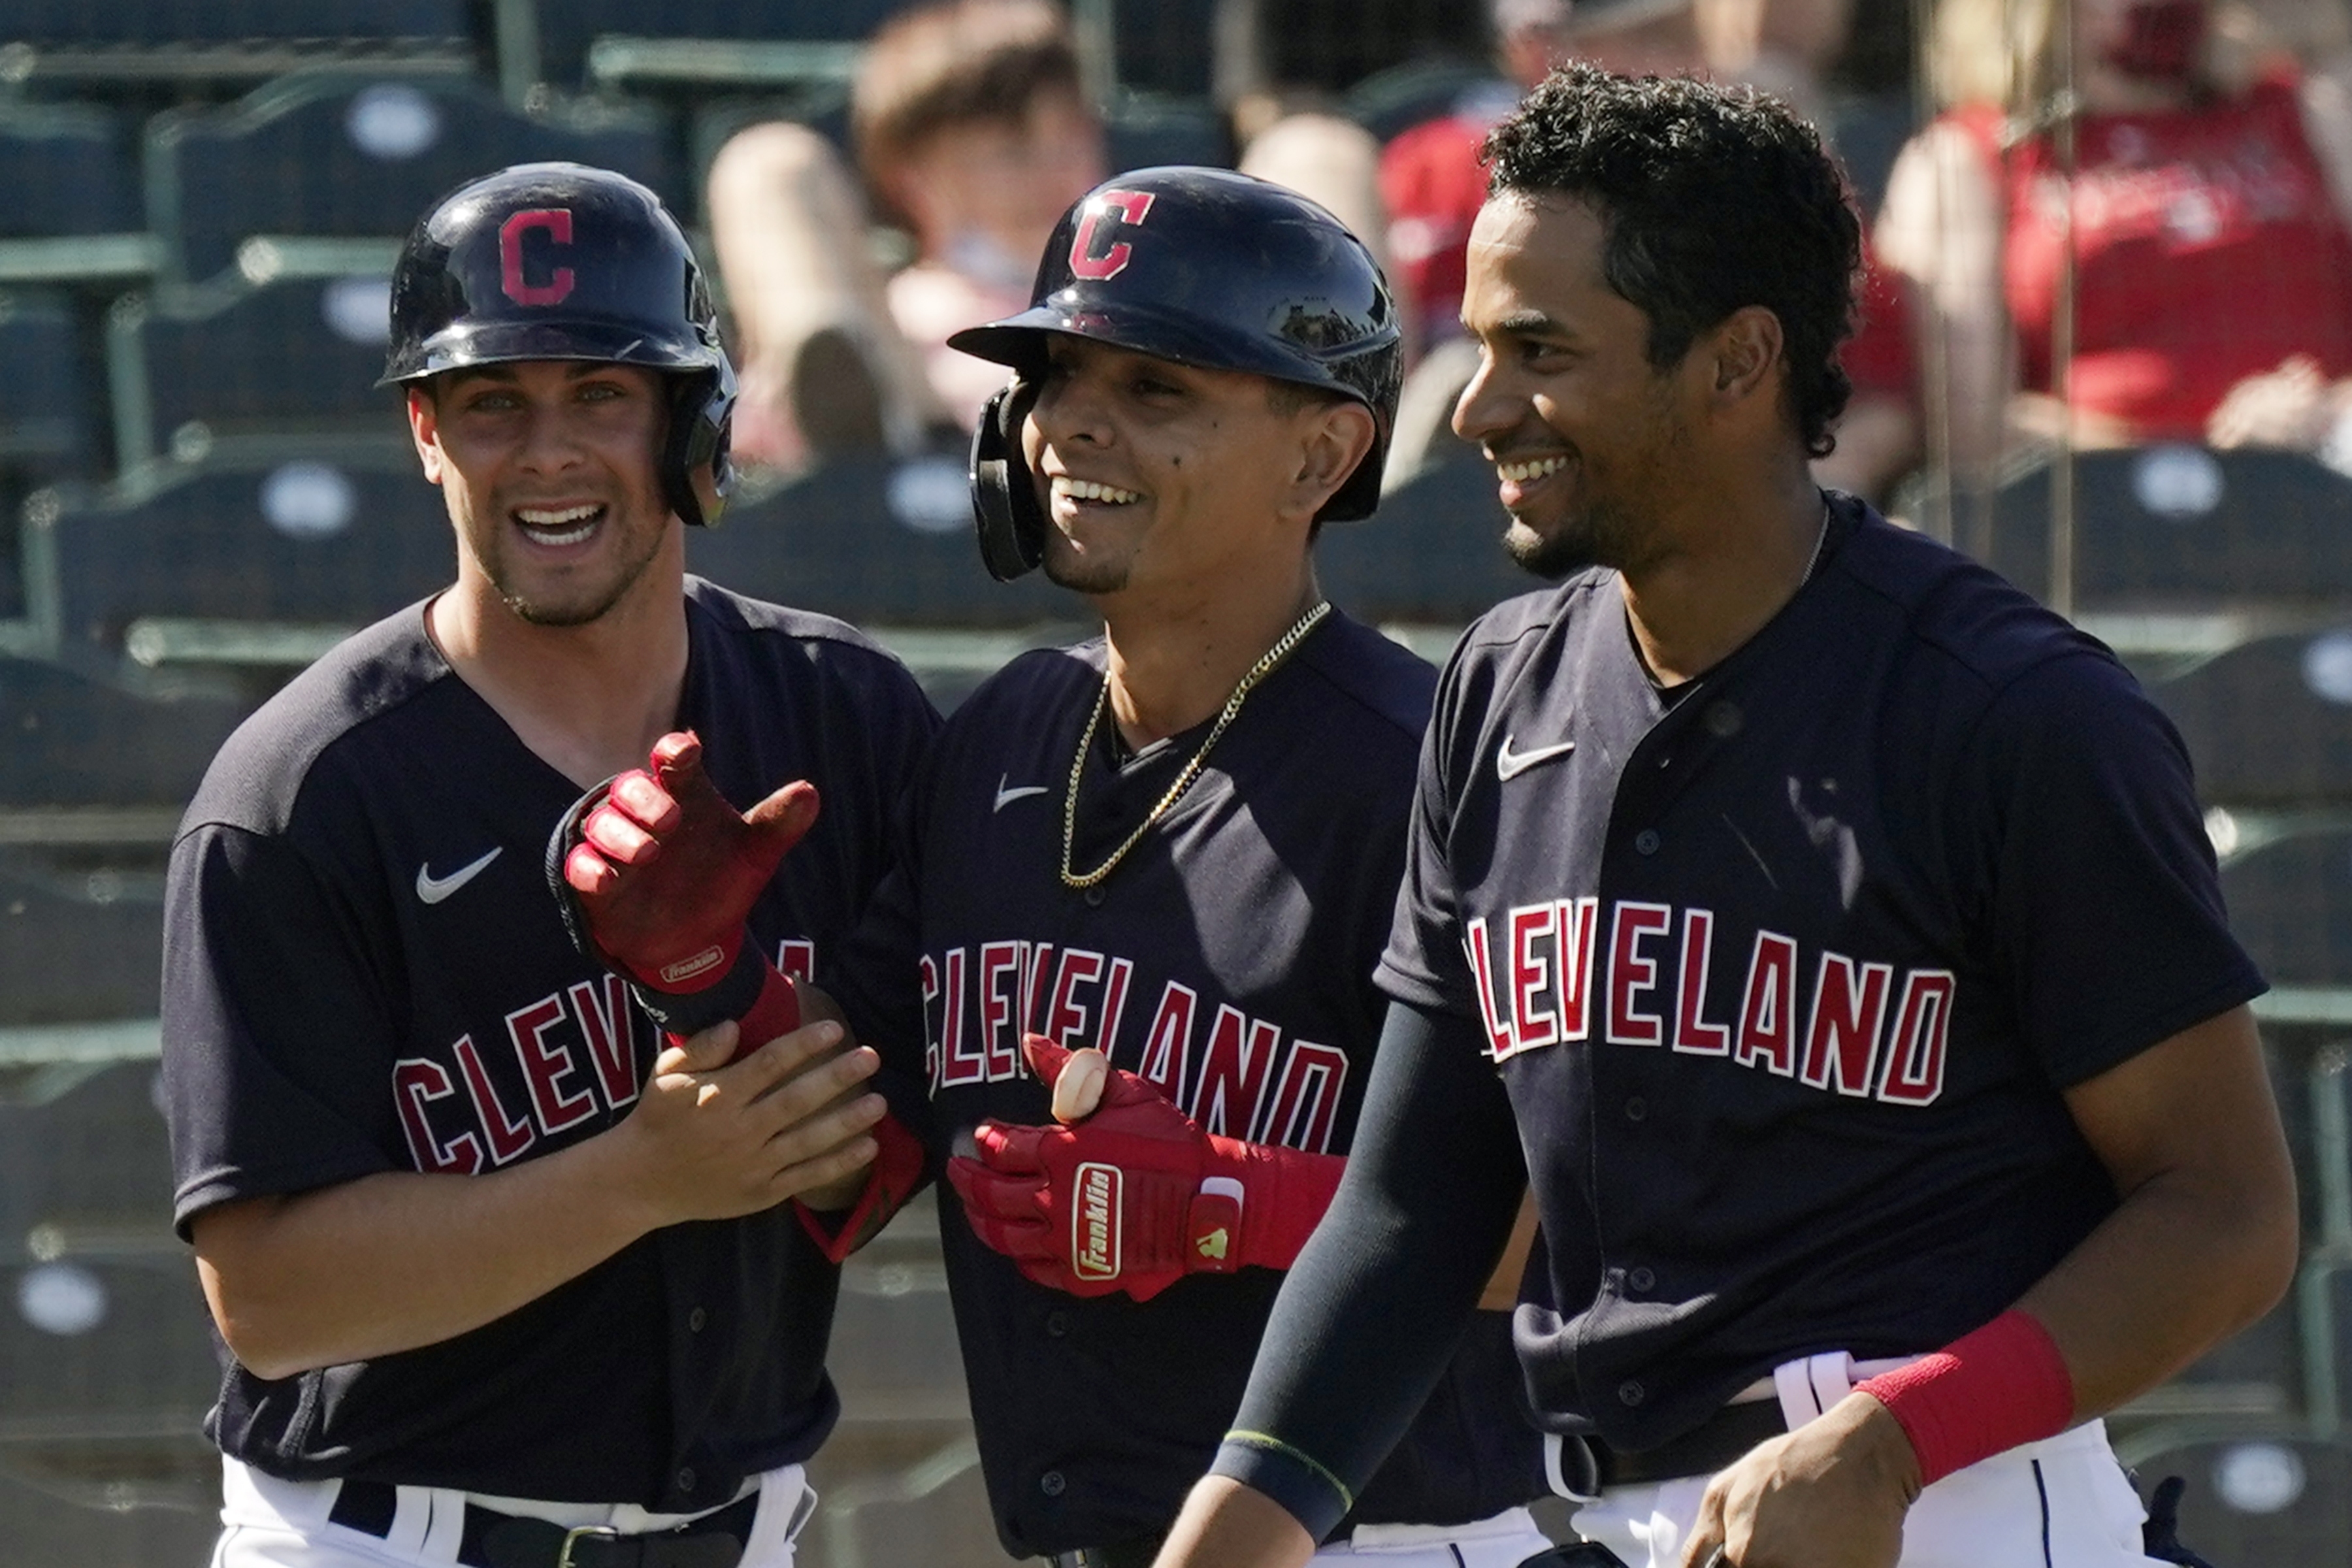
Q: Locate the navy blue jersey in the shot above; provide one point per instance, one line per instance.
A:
(1785, 978)
(1229, 959)
(364, 971)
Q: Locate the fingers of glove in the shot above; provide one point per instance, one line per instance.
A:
(644, 801)
(987, 1194)
(586, 872)
(784, 818)
(1010, 1150)
(1014, 1237)
(612, 832)
(1046, 1057)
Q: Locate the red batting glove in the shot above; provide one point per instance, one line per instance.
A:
(1137, 1195)
(655, 873)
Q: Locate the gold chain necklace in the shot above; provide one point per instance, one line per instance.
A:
(1241, 689)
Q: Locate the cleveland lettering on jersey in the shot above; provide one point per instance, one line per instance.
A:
(1235, 1074)
(575, 1053)
(1545, 976)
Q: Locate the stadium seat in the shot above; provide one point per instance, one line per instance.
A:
(49, 397)
(79, 946)
(323, 175)
(68, 740)
(288, 366)
(137, 46)
(50, 21)
(2290, 903)
(2179, 526)
(68, 169)
(873, 542)
(73, 211)
(1432, 556)
(105, 1362)
(305, 545)
(2269, 723)
(568, 28)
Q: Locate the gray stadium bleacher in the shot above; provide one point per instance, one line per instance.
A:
(304, 545)
(324, 173)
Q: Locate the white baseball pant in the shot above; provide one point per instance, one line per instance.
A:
(267, 1522)
(2063, 1502)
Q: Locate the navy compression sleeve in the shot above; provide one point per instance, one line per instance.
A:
(1371, 1312)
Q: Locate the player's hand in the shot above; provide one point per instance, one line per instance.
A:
(713, 1140)
(1832, 1494)
(655, 874)
(1136, 1195)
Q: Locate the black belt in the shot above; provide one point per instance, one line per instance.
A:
(1138, 1552)
(495, 1539)
(1721, 1439)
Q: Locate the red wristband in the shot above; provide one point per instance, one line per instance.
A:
(1984, 1393)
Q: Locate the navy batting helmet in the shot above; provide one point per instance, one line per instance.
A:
(1203, 267)
(559, 261)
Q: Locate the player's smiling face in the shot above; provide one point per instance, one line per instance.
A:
(548, 469)
(1159, 475)
(1588, 438)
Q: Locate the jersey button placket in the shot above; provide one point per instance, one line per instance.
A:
(1052, 1483)
(1646, 842)
(1057, 1325)
(1640, 1281)
(697, 1321)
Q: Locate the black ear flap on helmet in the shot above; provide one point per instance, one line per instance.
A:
(1004, 493)
(701, 410)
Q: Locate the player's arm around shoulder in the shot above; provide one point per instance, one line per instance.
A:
(400, 1259)
(2202, 1243)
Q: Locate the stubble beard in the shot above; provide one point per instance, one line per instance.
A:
(1063, 571)
(568, 612)
(1601, 536)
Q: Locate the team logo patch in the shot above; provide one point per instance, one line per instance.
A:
(687, 968)
(513, 276)
(1094, 1222)
(1213, 1245)
(1095, 254)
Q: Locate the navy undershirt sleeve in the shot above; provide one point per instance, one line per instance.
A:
(1371, 1312)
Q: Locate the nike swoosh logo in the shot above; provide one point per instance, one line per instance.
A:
(1005, 797)
(433, 888)
(1510, 765)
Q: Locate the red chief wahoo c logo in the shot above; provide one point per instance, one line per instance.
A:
(557, 222)
(1130, 207)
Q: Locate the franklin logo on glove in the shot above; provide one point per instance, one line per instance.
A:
(1131, 1193)
(1094, 1246)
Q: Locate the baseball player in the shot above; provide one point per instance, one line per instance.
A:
(1166, 857)
(502, 1281)
(1825, 930)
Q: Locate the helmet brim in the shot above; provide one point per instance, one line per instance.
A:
(1019, 341)
(464, 346)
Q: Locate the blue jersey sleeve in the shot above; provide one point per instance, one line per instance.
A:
(277, 1047)
(2103, 898)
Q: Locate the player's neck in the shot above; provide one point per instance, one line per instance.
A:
(589, 701)
(1174, 659)
(1728, 571)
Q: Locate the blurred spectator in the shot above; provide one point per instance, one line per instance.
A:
(2202, 235)
(1433, 185)
(973, 135)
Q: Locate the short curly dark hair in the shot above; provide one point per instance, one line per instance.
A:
(1712, 199)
